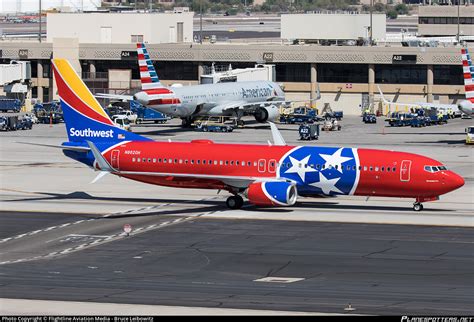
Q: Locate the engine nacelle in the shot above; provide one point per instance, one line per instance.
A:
(272, 193)
(142, 98)
(266, 113)
(466, 107)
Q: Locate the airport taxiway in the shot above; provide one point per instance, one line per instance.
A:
(61, 238)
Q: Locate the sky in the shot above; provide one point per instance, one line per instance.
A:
(13, 6)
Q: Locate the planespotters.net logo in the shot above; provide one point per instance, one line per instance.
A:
(91, 133)
(437, 319)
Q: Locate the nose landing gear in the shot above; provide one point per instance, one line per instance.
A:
(235, 202)
(417, 206)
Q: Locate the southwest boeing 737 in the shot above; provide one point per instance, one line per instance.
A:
(259, 98)
(267, 175)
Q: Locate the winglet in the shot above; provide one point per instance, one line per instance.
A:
(277, 137)
(381, 95)
(103, 164)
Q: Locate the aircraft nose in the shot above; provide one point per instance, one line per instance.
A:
(454, 181)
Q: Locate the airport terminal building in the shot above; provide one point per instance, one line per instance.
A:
(348, 76)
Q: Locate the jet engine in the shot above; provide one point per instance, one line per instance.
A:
(272, 193)
(266, 113)
(142, 98)
(466, 107)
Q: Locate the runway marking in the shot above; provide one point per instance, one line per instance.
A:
(279, 279)
(103, 238)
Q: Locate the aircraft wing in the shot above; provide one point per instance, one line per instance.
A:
(234, 181)
(115, 96)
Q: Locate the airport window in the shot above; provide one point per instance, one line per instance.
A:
(170, 160)
(203, 161)
(317, 166)
(176, 70)
(215, 162)
(250, 163)
(353, 167)
(236, 162)
(180, 161)
(394, 169)
(376, 168)
(365, 168)
(154, 160)
(149, 160)
(231, 162)
(192, 161)
(371, 168)
(197, 161)
(348, 167)
(133, 159)
(255, 164)
(221, 162)
(289, 72)
(382, 169)
(136, 38)
(175, 160)
(400, 74)
(336, 166)
(388, 169)
(447, 75)
(242, 163)
(144, 159)
(343, 73)
(138, 160)
(164, 160)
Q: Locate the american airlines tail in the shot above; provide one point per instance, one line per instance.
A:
(85, 118)
(148, 75)
(468, 71)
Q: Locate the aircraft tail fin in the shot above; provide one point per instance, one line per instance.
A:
(85, 118)
(381, 95)
(468, 72)
(148, 75)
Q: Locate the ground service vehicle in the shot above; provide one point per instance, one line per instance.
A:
(214, 124)
(369, 118)
(470, 135)
(309, 131)
(271, 175)
(146, 114)
(10, 104)
(331, 125)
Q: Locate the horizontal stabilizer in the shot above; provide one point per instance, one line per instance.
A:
(64, 147)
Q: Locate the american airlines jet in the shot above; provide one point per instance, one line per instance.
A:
(465, 106)
(259, 98)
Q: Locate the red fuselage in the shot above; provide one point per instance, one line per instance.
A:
(207, 165)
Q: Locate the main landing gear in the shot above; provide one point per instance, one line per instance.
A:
(235, 202)
(417, 206)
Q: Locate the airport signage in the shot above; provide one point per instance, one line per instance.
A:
(128, 55)
(268, 57)
(23, 53)
(404, 59)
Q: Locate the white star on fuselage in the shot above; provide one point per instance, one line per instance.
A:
(335, 160)
(300, 167)
(326, 185)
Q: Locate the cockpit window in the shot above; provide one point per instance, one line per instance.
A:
(432, 168)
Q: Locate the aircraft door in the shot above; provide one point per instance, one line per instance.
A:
(405, 170)
(115, 159)
(261, 165)
(272, 166)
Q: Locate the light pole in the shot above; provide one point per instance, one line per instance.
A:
(200, 22)
(39, 14)
(457, 36)
(371, 9)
